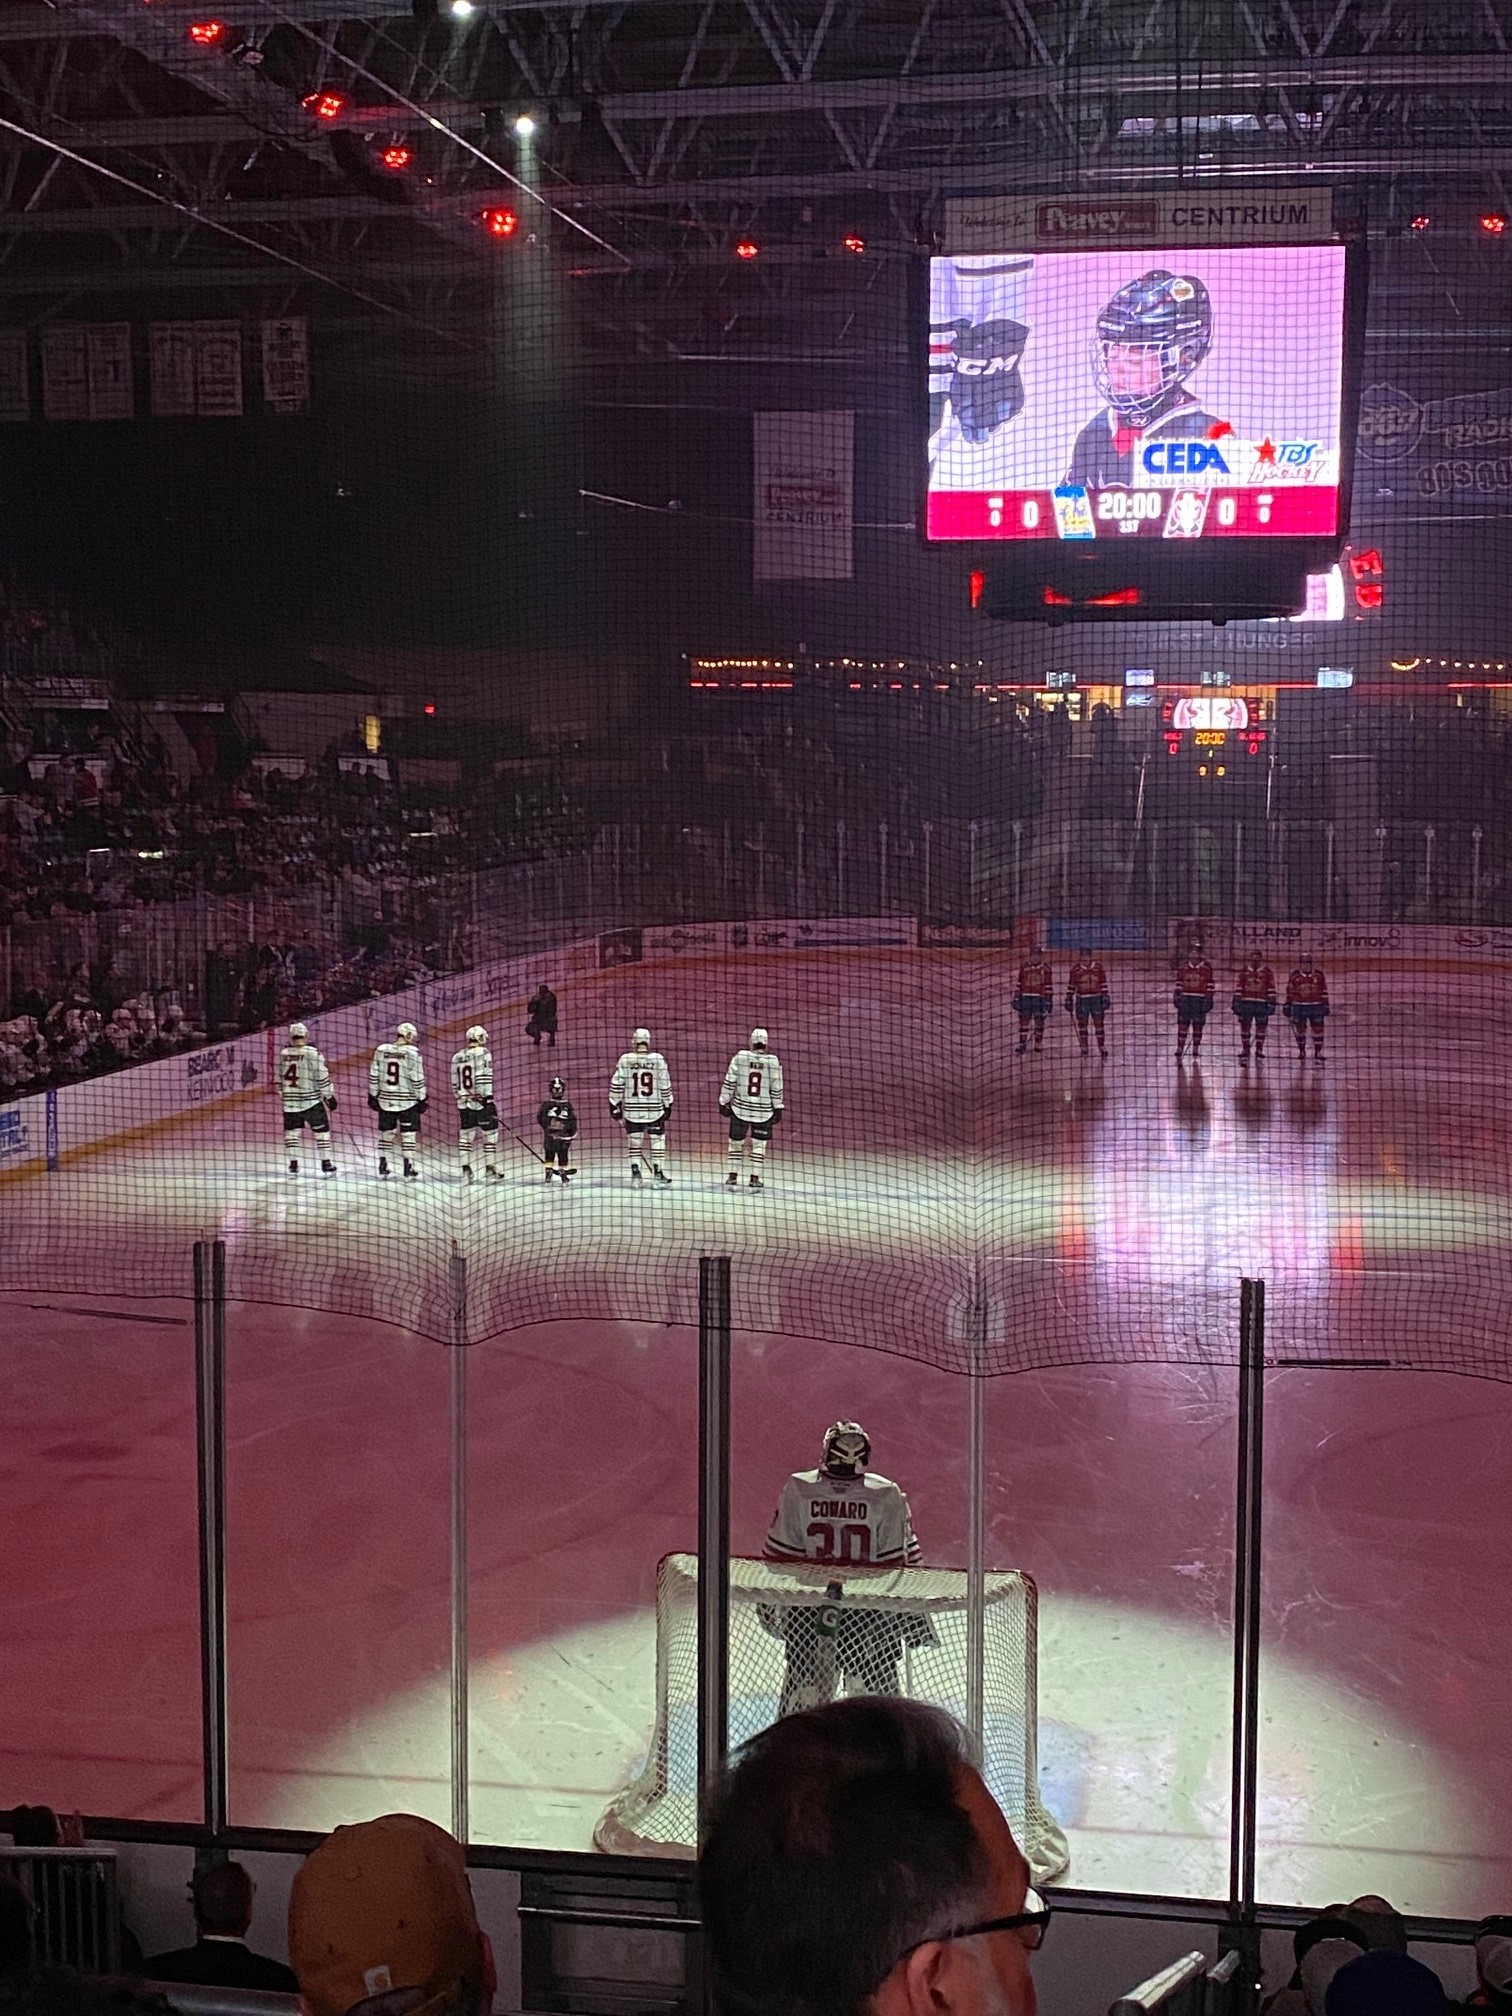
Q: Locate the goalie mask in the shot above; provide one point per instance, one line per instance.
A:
(847, 1450)
(477, 1036)
(557, 1089)
(406, 1032)
(298, 1033)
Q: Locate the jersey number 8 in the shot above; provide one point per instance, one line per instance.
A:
(753, 1083)
(465, 1077)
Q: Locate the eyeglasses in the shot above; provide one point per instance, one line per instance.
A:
(1030, 1923)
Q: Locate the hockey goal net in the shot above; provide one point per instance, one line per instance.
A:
(794, 1641)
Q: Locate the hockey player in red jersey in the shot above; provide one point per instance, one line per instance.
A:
(1254, 1004)
(1087, 999)
(1034, 999)
(1307, 1004)
(1194, 1000)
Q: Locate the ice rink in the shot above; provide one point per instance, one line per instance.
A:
(1101, 1215)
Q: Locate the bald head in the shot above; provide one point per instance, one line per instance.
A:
(222, 1899)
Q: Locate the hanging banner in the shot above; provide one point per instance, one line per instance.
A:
(286, 364)
(1185, 216)
(65, 373)
(218, 370)
(803, 503)
(15, 384)
(108, 349)
(170, 370)
(1453, 450)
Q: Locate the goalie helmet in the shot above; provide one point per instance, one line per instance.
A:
(406, 1032)
(557, 1089)
(298, 1033)
(847, 1450)
(641, 1039)
(758, 1039)
(1165, 315)
(477, 1036)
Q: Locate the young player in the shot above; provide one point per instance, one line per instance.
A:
(396, 1093)
(844, 1516)
(477, 1115)
(1088, 1000)
(542, 1010)
(751, 1100)
(1254, 1004)
(558, 1122)
(1307, 1005)
(640, 1094)
(1194, 1000)
(309, 1098)
(1150, 337)
(1034, 999)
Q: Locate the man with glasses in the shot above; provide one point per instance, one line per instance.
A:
(855, 1864)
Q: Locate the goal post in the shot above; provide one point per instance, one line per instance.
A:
(801, 1633)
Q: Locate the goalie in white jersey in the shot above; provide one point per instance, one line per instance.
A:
(396, 1093)
(477, 1115)
(847, 1517)
(309, 1097)
(751, 1100)
(640, 1095)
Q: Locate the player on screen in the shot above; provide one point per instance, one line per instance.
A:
(1254, 1004)
(640, 1095)
(309, 1097)
(1087, 998)
(977, 333)
(558, 1121)
(847, 1517)
(1150, 337)
(1194, 1000)
(1033, 999)
(396, 1093)
(751, 1099)
(477, 1115)
(1307, 1004)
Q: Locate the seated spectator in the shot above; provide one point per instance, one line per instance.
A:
(1386, 1982)
(1331, 1929)
(16, 1951)
(1493, 1966)
(854, 1860)
(220, 1956)
(381, 1921)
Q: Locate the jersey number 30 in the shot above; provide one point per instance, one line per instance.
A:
(855, 1541)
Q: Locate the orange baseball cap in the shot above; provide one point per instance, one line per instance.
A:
(384, 1905)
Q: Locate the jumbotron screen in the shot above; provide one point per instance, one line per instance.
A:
(1189, 394)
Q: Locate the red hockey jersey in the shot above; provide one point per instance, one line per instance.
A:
(1035, 977)
(1087, 976)
(1307, 989)
(1256, 982)
(1195, 976)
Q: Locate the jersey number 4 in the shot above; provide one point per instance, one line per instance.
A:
(854, 1541)
(291, 1075)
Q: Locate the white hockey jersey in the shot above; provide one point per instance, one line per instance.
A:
(472, 1075)
(642, 1085)
(753, 1085)
(397, 1078)
(303, 1080)
(854, 1520)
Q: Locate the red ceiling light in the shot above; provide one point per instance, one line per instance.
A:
(747, 248)
(1422, 223)
(206, 34)
(1493, 224)
(1054, 599)
(976, 586)
(854, 242)
(396, 158)
(499, 223)
(325, 104)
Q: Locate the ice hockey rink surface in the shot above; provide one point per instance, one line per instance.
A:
(1113, 1208)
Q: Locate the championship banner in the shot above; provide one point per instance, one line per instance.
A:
(1218, 216)
(108, 352)
(218, 370)
(803, 512)
(65, 372)
(170, 369)
(15, 386)
(286, 364)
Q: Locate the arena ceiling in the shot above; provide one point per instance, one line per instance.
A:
(143, 171)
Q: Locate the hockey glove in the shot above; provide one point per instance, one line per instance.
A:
(373, 1102)
(420, 1106)
(776, 1116)
(616, 1112)
(1070, 1003)
(986, 390)
(330, 1104)
(727, 1112)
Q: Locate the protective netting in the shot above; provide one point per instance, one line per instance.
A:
(803, 1635)
(507, 569)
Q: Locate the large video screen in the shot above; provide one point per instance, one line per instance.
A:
(1148, 394)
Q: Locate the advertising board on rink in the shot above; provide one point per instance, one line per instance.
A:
(1284, 943)
(16, 1142)
(675, 941)
(805, 934)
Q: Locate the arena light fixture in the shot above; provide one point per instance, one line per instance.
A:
(1493, 223)
(854, 242)
(499, 223)
(460, 10)
(325, 104)
(747, 248)
(1422, 223)
(524, 126)
(396, 158)
(207, 34)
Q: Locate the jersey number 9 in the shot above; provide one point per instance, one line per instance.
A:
(644, 1083)
(391, 1070)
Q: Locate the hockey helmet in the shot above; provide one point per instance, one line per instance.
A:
(558, 1089)
(477, 1035)
(758, 1039)
(406, 1032)
(1166, 314)
(847, 1450)
(641, 1039)
(298, 1033)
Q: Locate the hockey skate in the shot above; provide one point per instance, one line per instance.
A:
(756, 1183)
(328, 1168)
(411, 1173)
(732, 1181)
(383, 1168)
(293, 1168)
(467, 1174)
(661, 1176)
(548, 1172)
(635, 1173)
(491, 1172)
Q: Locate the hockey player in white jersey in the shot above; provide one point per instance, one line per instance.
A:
(477, 1115)
(640, 1095)
(396, 1093)
(309, 1097)
(847, 1517)
(751, 1100)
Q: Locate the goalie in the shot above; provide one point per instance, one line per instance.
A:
(846, 1516)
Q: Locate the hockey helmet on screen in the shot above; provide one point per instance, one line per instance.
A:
(557, 1089)
(1167, 315)
(406, 1032)
(758, 1039)
(298, 1033)
(847, 1450)
(641, 1039)
(477, 1035)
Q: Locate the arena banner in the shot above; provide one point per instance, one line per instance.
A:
(807, 934)
(620, 948)
(1184, 216)
(1438, 451)
(1017, 936)
(803, 511)
(1104, 934)
(675, 941)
